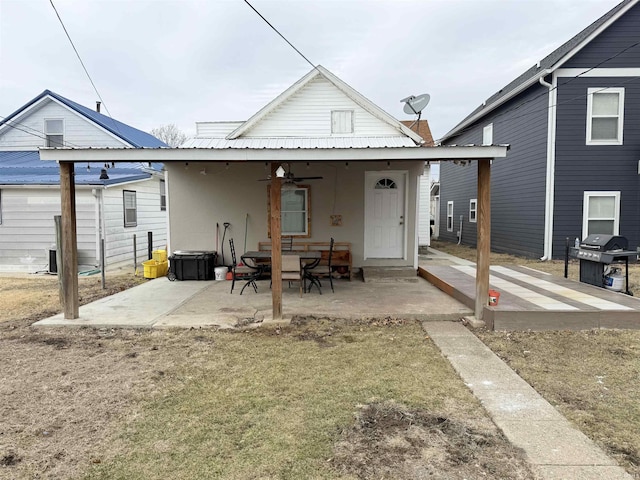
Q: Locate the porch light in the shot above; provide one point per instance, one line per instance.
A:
(103, 174)
(280, 172)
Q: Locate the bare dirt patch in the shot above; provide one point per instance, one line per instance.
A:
(390, 440)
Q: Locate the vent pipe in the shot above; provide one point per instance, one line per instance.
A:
(97, 106)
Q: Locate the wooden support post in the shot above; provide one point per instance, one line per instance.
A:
(276, 243)
(484, 237)
(69, 241)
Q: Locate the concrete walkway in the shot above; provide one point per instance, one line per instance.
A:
(555, 449)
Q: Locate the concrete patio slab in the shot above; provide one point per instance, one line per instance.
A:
(160, 303)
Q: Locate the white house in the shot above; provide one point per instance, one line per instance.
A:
(114, 201)
(352, 174)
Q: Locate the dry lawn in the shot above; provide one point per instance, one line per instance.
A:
(592, 377)
(317, 399)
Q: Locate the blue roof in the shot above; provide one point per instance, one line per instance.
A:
(133, 136)
(26, 168)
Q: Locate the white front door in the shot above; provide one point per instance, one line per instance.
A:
(384, 228)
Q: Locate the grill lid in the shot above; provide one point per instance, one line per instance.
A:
(605, 243)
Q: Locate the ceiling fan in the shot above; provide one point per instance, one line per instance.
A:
(290, 178)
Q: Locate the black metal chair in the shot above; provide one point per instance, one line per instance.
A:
(313, 274)
(245, 273)
(286, 244)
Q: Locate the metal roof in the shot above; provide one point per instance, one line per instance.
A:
(133, 136)
(300, 142)
(26, 168)
(541, 69)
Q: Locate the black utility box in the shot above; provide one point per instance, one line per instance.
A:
(188, 265)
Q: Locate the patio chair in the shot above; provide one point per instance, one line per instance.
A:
(245, 273)
(291, 270)
(321, 269)
(286, 244)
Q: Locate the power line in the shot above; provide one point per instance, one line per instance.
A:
(516, 107)
(83, 66)
(34, 132)
(281, 35)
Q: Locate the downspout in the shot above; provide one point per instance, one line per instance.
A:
(551, 163)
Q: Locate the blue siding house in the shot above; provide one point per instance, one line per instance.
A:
(573, 124)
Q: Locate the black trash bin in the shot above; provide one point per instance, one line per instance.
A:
(192, 265)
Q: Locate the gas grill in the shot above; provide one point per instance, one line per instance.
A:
(598, 250)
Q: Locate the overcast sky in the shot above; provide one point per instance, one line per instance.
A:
(160, 62)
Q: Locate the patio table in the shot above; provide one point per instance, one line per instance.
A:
(260, 257)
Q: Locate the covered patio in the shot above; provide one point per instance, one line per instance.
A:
(160, 303)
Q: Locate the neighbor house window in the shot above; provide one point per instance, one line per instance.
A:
(54, 132)
(130, 208)
(449, 216)
(605, 116)
(295, 208)
(342, 121)
(601, 213)
(163, 196)
(487, 135)
(473, 210)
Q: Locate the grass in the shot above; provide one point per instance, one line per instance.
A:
(275, 402)
(592, 376)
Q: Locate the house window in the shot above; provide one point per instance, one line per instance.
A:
(54, 132)
(473, 210)
(295, 210)
(605, 116)
(601, 213)
(487, 135)
(130, 208)
(449, 216)
(0, 207)
(163, 196)
(341, 121)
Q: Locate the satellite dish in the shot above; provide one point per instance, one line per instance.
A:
(413, 105)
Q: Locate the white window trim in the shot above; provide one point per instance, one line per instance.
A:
(306, 190)
(585, 210)
(46, 133)
(590, 93)
(124, 208)
(450, 216)
(487, 135)
(473, 209)
(163, 195)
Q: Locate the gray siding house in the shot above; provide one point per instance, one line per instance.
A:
(573, 125)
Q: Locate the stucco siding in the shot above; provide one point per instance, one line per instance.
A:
(517, 181)
(308, 114)
(581, 167)
(198, 202)
(611, 48)
(78, 131)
